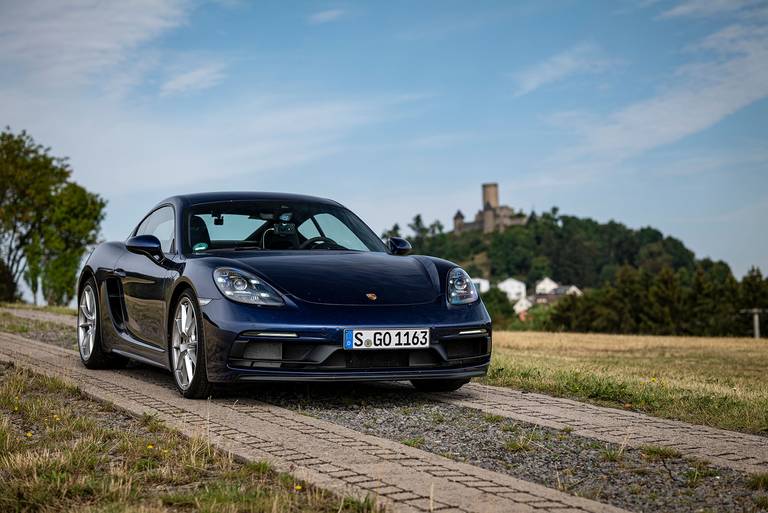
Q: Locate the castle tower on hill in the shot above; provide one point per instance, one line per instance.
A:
(493, 217)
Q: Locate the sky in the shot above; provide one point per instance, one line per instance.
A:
(647, 112)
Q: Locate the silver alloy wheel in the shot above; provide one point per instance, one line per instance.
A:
(86, 322)
(184, 343)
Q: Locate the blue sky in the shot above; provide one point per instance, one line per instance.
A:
(649, 112)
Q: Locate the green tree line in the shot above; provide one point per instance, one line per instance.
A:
(47, 222)
(705, 302)
(635, 280)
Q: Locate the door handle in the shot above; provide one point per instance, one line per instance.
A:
(120, 273)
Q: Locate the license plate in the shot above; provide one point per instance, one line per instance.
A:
(386, 339)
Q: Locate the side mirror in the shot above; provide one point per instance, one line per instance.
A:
(148, 245)
(399, 246)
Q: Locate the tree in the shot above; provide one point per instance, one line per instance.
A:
(436, 228)
(29, 177)
(665, 304)
(46, 221)
(499, 307)
(7, 285)
(419, 229)
(72, 226)
(34, 257)
(712, 302)
(392, 232)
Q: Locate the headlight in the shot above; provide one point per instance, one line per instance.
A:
(245, 288)
(461, 290)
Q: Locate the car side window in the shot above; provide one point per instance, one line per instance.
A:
(160, 223)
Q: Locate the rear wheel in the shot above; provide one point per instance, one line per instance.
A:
(188, 349)
(89, 331)
(439, 385)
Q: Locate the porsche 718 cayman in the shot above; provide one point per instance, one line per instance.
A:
(238, 287)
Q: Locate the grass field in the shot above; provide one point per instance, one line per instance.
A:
(720, 382)
(60, 451)
(63, 310)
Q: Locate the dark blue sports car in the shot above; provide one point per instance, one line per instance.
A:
(235, 287)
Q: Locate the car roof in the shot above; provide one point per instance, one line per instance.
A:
(210, 197)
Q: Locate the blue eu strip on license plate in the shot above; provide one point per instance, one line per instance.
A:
(347, 339)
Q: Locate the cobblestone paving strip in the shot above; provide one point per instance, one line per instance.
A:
(729, 449)
(322, 453)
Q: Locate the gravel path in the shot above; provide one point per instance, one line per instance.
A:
(325, 454)
(622, 476)
(739, 451)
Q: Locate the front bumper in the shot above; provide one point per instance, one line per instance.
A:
(246, 343)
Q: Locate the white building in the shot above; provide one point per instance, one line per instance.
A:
(482, 285)
(522, 306)
(568, 290)
(514, 289)
(546, 286)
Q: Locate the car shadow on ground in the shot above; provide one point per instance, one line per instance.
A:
(297, 395)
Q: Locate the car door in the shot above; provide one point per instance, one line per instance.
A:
(144, 281)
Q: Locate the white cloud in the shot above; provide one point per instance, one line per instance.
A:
(86, 79)
(704, 8)
(67, 42)
(729, 76)
(584, 58)
(326, 16)
(197, 79)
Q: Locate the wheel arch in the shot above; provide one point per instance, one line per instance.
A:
(178, 289)
(85, 275)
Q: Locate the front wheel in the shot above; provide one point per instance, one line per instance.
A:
(438, 385)
(188, 349)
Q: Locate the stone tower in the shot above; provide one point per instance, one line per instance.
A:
(490, 195)
(458, 222)
(490, 206)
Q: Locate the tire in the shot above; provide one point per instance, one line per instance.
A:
(89, 320)
(439, 385)
(186, 348)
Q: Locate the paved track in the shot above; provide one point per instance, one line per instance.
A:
(725, 448)
(322, 453)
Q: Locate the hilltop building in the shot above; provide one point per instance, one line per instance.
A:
(522, 306)
(546, 286)
(514, 289)
(548, 291)
(493, 217)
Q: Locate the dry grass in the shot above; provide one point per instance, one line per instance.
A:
(62, 310)
(720, 382)
(62, 452)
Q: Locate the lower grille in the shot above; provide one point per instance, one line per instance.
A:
(377, 359)
(465, 347)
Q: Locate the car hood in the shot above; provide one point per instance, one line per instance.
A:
(348, 278)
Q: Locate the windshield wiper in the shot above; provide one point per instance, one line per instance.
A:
(247, 247)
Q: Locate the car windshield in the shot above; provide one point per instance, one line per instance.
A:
(277, 225)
